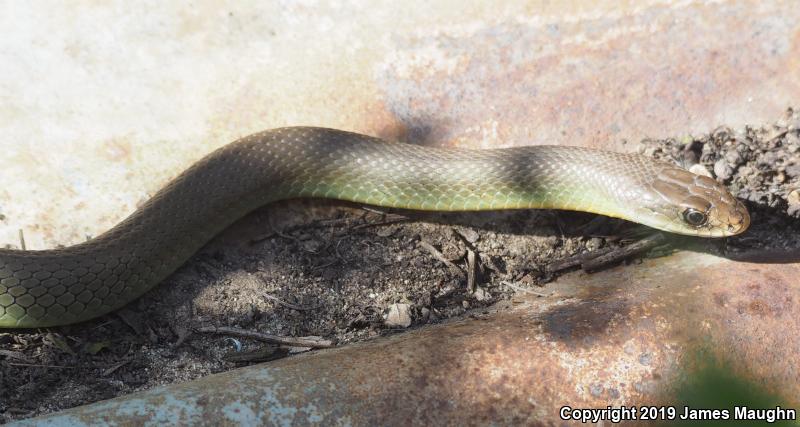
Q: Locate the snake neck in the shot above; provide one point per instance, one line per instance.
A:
(372, 171)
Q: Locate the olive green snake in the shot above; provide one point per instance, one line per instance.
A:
(80, 282)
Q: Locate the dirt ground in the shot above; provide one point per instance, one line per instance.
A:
(342, 273)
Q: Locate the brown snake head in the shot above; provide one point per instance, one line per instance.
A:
(695, 205)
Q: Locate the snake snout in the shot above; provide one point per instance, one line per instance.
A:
(702, 205)
(738, 219)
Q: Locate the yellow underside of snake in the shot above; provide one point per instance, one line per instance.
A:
(61, 286)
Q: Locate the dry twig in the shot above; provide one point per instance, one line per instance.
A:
(443, 259)
(471, 268)
(575, 260)
(612, 257)
(275, 339)
(595, 260)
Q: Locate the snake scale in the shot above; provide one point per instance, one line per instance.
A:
(76, 283)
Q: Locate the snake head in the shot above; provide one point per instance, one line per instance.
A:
(686, 203)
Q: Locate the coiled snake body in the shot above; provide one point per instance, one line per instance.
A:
(61, 286)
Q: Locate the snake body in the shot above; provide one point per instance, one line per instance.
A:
(72, 284)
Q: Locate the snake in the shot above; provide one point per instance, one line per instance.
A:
(54, 287)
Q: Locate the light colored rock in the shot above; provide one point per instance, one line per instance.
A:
(700, 170)
(733, 157)
(792, 139)
(722, 169)
(794, 202)
(398, 316)
(481, 294)
(469, 234)
(794, 198)
(594, 244)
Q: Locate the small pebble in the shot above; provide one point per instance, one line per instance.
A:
(733, 158)
(793, 171)
(452, 251)
(699, 169)
(651, 151)
(594, 244)
(741, 134)
(469, 235)
(793, 199)
(313, 246)
(399, 315)
(792, 139)
(722, 170)
(769, 159)
(480, 294)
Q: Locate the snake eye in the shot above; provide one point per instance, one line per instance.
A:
(694, 217)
